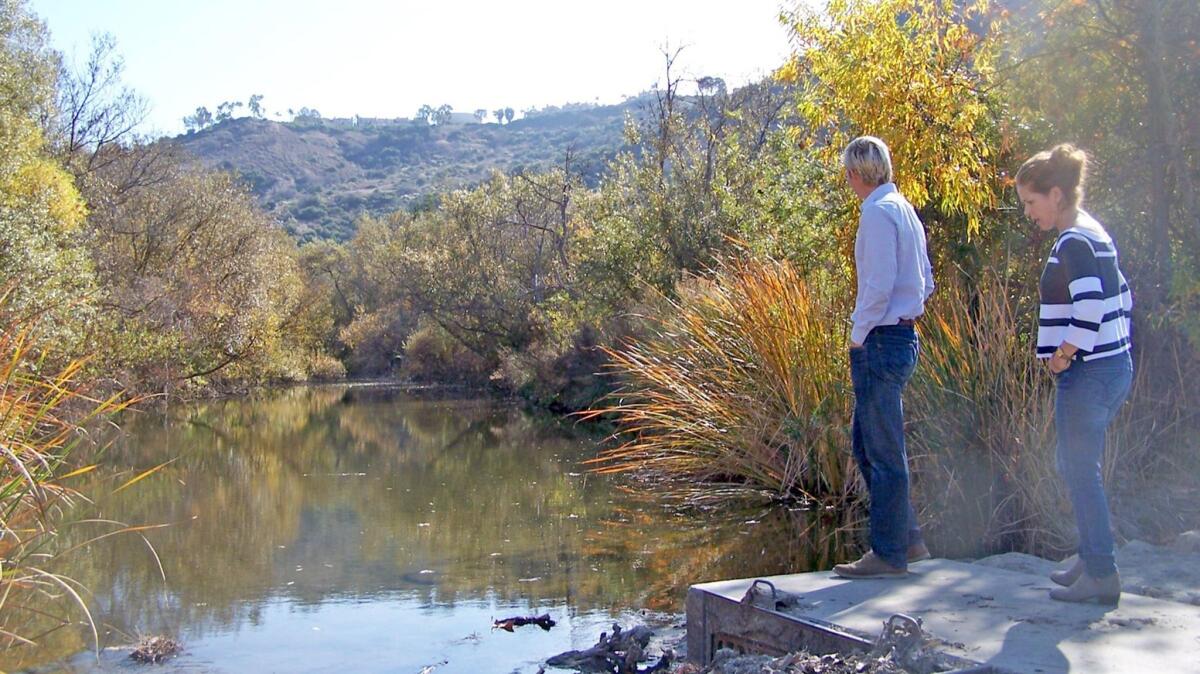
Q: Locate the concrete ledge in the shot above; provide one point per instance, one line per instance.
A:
(1001, 618)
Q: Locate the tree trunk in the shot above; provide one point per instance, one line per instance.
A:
(1158, 150)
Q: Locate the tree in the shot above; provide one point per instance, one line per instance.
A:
(226, 109)
(255, 106)
(198, 120)
(45, 271)
(498, 113)
(95, 110)
(1128, 69)
(658, 215)
(481, 115)
(918, 74)
(710, 85)
(508, 115)
(29, 68)
(426, 114)
(487, 267)
(196, 280)
(442, 114)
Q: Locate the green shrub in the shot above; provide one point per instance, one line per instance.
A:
(323, 367)
(375, 340)
(432, 355)
(562, 380)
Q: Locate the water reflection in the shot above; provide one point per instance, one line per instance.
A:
(323, 526)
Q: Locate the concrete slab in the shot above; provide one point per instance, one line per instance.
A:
(1023, 563)
(1149, 570)
(998, 617)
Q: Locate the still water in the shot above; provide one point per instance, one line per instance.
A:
(364, 529)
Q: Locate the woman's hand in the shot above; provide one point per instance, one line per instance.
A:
(1061, 360)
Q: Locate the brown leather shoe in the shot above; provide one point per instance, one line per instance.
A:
(1100, 590)
(870, 566)
(1068, 576)
(917, 552)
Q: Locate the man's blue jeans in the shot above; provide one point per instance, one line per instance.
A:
(1087, 397)
(879, 370)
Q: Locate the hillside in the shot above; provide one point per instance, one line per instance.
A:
(316, 178)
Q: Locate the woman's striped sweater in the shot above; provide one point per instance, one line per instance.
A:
(1085, 299)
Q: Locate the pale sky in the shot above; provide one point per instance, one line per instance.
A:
(381, 58)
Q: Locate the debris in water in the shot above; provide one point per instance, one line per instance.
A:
(619, 654)
(507, 624)
(155, 649)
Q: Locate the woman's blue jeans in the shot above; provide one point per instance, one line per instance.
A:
(879, 371)
(1087, 397)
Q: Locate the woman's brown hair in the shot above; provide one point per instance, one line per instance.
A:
(1064, 167)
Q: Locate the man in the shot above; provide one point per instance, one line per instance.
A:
(894, 280)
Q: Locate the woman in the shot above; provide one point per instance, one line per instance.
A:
(1083, 335)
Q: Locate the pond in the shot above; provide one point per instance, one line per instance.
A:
(364, 528)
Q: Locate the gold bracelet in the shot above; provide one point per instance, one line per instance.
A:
(1059, 353)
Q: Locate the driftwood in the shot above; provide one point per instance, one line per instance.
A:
(617, 654)
(507, 624)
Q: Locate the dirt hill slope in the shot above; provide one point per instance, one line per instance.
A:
(317, 176)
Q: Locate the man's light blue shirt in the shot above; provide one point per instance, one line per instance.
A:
(894, 274)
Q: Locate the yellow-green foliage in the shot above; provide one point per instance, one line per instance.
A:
(40, 212)
(30, 180)
(742, 383)
(40, 209)
(914, 73)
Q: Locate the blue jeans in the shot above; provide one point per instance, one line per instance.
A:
(879, 371)
(1087, 397)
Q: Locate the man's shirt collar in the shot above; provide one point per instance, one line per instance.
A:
(879, 193)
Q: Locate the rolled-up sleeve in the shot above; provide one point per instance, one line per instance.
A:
(876, 252)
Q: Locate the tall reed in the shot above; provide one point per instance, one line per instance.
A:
(740, 386)
(982, 412)
(980, 409)
(40, 423)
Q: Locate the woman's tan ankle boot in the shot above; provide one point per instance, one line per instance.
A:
(1105, 590)
(1067, 577)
